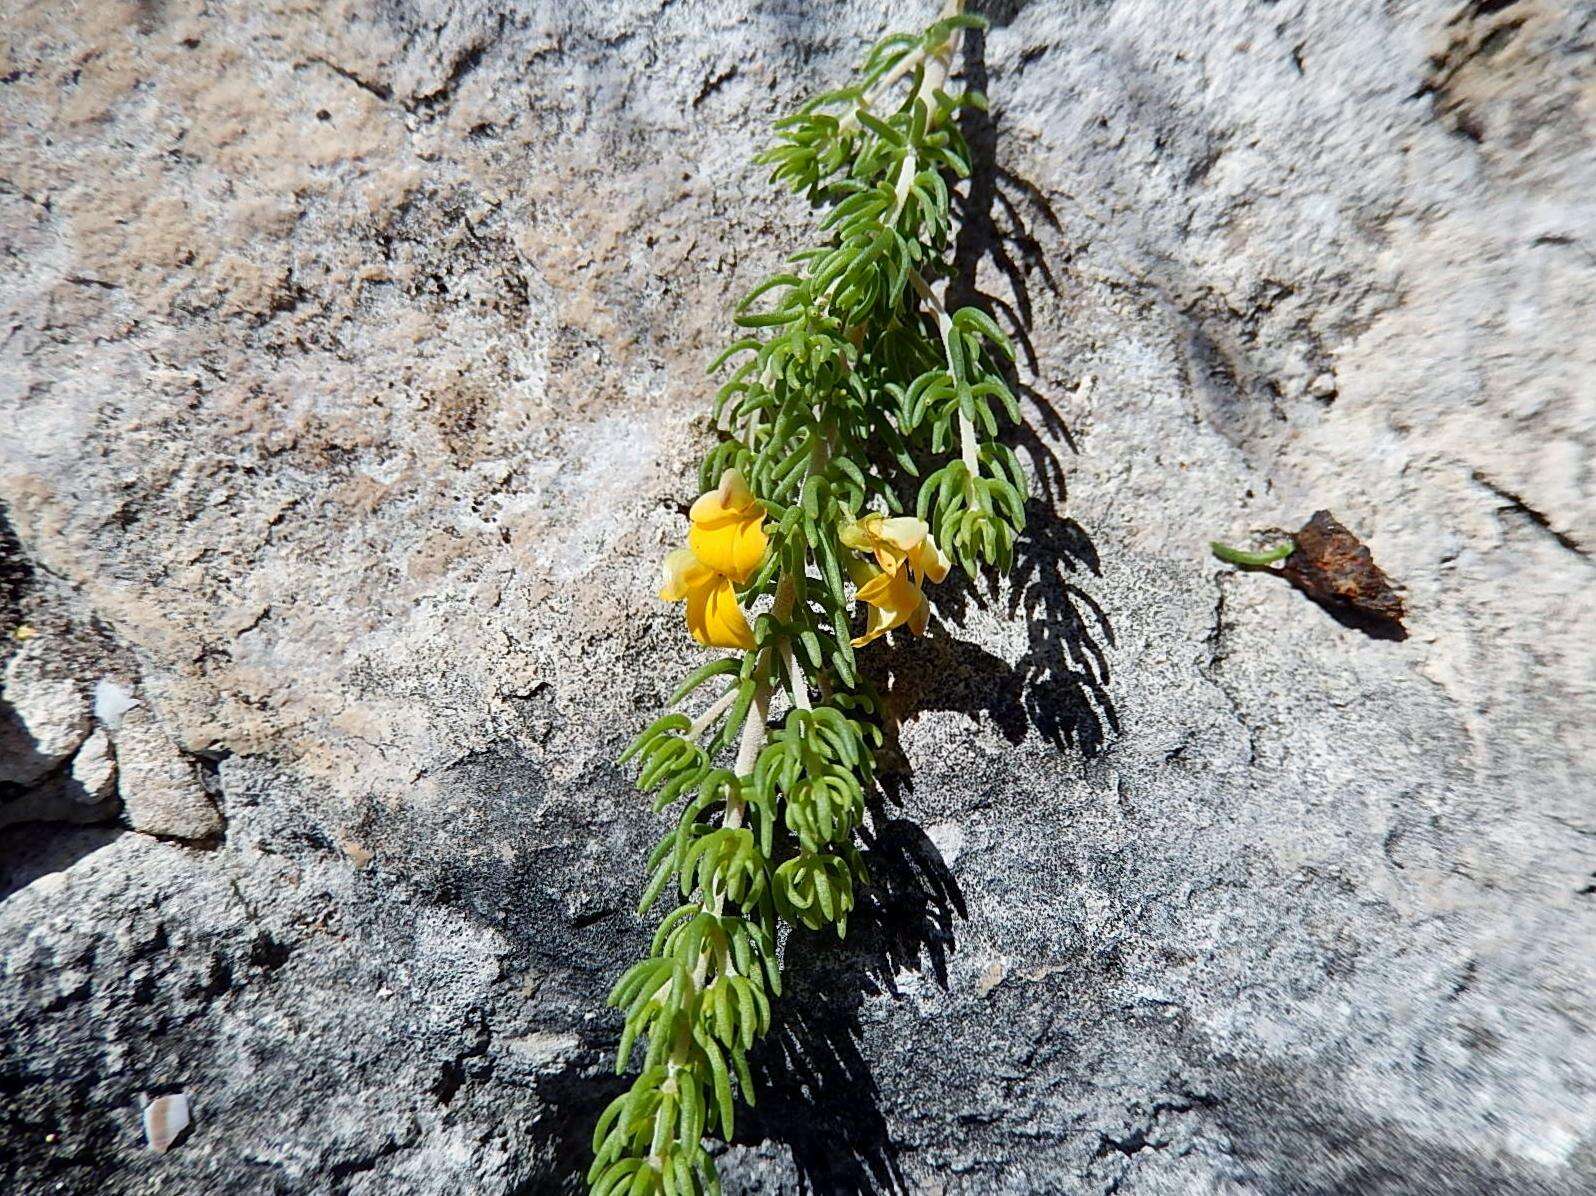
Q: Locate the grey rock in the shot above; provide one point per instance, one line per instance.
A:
(160, 788)
(94, 768)
(43, 717)
(58, 799)
(85, 792)
(355, 368)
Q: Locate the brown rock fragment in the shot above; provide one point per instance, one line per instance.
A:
(160, 791)
(1334, 568)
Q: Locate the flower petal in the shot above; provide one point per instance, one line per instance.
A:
(920, 616)
(714, 617)
(902, 531)
(891, 541)
(929, 561)
(731, 500)
(876, 625)
(681, 572)
(734, 547)
(894, 599)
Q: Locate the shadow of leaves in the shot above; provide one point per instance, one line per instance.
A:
(818, 1095)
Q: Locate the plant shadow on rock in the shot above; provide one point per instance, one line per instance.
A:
(817, 1094)
(1059, 686)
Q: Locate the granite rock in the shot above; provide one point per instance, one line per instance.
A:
(43, 718)
(160, 787)
(94, 769)
(354, 354)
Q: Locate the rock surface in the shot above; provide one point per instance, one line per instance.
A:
(94, 769)
(160, 788)
(43, 719)
(352, 379)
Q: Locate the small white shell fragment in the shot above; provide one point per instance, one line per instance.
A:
(111, 702)
(165, 1118)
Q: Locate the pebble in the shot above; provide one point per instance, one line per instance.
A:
(165, 1118)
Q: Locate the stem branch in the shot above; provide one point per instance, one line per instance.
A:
(800, 683)
(940, 56)
(753, 738)
(718, 708)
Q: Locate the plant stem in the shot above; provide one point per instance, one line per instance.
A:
(780, 609)
(1252, 560)
(819, 458)
(936, 71)
(800, 683)
(718, 708)
(900, 193)
(906, 64)
(968, 445)
(753, 738)
(938, 63)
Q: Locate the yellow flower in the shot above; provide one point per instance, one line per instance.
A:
(907, 556)
(728, 532)
(726, 546)
(892, 600)
(713, 615)
(896, 540)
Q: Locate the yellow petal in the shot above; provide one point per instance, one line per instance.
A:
(894, 599)
(902, 531)
(734, 547)
(920, 616)
(731, 500)
(929, 561)
(714, 617)
(891, 541)
(681, 573)
(876, 625)
(877, 591)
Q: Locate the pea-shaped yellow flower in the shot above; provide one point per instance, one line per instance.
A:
(908, 556)
(725, 547)
(897, 540)
(728, 533)
(891, 600)
(713, 615)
